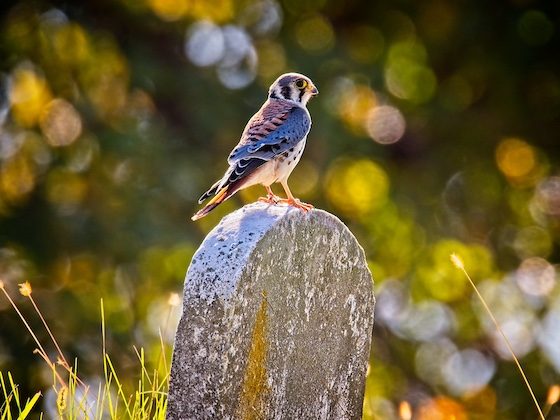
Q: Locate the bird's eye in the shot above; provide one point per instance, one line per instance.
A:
(301, 83)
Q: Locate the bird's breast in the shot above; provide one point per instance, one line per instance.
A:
(287, 161)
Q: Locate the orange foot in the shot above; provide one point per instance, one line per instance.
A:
(297, 204)
(270, 199)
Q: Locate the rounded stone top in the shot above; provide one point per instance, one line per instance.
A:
(234, 239)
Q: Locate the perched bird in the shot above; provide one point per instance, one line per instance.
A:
(270, 147)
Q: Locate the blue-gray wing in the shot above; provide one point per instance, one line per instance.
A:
(272, 137)
(275, 129)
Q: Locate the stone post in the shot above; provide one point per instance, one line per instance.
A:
(277, 320)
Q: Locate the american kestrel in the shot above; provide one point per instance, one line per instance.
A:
(270, 147)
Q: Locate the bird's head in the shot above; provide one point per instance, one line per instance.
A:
(293, 87)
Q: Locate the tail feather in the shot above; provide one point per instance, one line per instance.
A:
(212, 191)
(221, 196)
(223, 189)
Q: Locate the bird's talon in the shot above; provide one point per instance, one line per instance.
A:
(270, 199)
(297, 204)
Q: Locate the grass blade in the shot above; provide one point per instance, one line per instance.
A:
(457, 262)
(29, 406)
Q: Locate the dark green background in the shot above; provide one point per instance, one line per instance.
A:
(106, 214)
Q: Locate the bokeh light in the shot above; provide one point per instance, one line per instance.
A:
(536, 276)
(467, 371)
(354, 102)
(61, 123)
(17, 179)
(230, 48)
(407, 75)
(205, 44)
(263, 17)
(442, 408)
(533, 241)
(426, 321)
(394, 303)
(535, 28)
(517, 160)
(547, 196)
(430, 359)
(436, 277)
(315, 34)
(519, 331)
(514, 311)
(549, 337)
(169, 10)
(385, 124)
(214, 10)
(356, 187)
(29, 94)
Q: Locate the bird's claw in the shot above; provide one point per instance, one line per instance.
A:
(297, 204)
(270, 199)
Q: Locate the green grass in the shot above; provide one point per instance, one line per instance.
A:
(147, 401)
(77, 400)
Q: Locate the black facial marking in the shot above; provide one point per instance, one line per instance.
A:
(301, 92)
(273, 95)
(285, 92)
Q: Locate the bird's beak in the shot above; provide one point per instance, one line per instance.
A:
(314, 91)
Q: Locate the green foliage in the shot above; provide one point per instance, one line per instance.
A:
(434, 133)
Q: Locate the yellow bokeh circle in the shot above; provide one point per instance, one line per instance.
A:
(357, 186)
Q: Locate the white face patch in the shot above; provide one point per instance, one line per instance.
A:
(306, 97)
(294, 93)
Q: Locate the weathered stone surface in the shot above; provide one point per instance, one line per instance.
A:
(277, 320)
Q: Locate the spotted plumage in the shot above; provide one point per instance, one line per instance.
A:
(271, 145)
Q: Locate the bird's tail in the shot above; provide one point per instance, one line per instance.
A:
(224, 188)
(221, 196)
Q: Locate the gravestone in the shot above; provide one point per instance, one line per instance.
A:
(277, 320)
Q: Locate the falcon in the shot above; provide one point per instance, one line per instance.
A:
(270, 147)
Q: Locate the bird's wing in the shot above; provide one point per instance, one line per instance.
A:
(276, 128)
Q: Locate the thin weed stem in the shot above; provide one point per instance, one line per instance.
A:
(23, 319)
(142, 364)
(51, 365)
(456, 260)
(41, 351)
(63, 359)
(162, 353)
